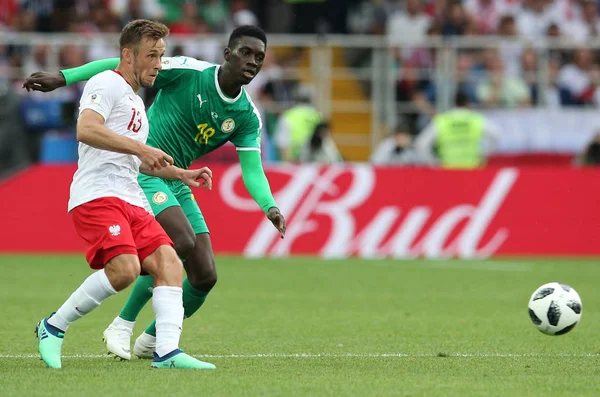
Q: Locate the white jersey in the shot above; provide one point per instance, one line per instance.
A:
(102, 173)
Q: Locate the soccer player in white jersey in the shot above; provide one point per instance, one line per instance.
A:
(107, 204)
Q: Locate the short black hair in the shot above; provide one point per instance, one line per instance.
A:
(246, 31)
(461, 99)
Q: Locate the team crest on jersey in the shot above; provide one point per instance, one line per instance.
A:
(159, 198)
(228, 125)
(114, 230)
(95, 98)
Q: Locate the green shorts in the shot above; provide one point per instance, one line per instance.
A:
(162, 194)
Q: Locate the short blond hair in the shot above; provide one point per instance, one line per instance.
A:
(135, 31)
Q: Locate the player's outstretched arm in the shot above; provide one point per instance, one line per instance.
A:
(200, 177)
(257, 184)
(92, 131)
(47, 81)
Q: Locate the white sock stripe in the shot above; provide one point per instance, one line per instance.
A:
(91, 298)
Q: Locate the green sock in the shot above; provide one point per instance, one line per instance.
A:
(192, 300)
(140, 295)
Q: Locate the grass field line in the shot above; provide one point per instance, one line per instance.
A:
(489, 265)
(330, 355)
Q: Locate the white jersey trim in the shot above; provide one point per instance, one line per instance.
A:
(223, 96)
(247, 149)
(256, 112)
(185, 63)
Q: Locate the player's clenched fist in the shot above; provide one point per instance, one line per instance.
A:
(154, 159)
(201, 177)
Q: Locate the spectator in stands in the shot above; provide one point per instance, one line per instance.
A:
(101, 47)
(41, 11)
(587, 26)
(464, 80)
(565, 13)
(529, 72)
(415, 86)
(462, 137)
(186, 25)
(455, 20)
(214, 12)
(487, 14)
(552, 96)
(273, 85)
(499, 89)
(410, 23)
(320, 148)
(533, 20)
(13, 146)
(296, 126)
(577, 80)
(128, 10)
(240, 14)
(509, 51)
(396, 149)
(25, 21)
(8, 14)
(368, 17)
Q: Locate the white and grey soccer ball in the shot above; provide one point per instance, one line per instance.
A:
(555, 308)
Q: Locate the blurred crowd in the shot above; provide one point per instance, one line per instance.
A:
(506, 74)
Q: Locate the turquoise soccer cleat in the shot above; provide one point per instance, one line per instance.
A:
(50, 343)
(178, 359)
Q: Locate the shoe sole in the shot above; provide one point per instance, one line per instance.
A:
(37, 335)
(114, 355)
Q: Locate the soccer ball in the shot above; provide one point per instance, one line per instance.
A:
(555, 308)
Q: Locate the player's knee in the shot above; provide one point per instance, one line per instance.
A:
(130, 272)
(164, 265)
(184, 245)
(205, 277)
(172, 265)
(122, 273)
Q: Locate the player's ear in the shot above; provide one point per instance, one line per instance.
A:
(227, 53)
(127, 55)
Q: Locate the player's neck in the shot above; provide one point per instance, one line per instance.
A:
(228, 87)
(128, 76)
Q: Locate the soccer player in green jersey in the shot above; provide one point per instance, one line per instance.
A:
(199, 107)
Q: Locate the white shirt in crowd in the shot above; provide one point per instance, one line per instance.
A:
(102, 173)
(403, 26)
(533, 25)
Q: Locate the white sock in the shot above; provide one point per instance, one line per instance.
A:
(95, 289)
(167, 303)
(123, 324)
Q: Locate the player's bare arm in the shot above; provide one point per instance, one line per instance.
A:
(92, 131)
(200, 177)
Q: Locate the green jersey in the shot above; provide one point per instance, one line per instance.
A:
(191, 116)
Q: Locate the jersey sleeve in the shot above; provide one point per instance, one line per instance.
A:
(248, 137)
(100, 94)
(174, 69)
(89, 70)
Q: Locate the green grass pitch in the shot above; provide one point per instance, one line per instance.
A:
(309, 327)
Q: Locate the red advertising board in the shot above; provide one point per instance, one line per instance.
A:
(353, 210)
